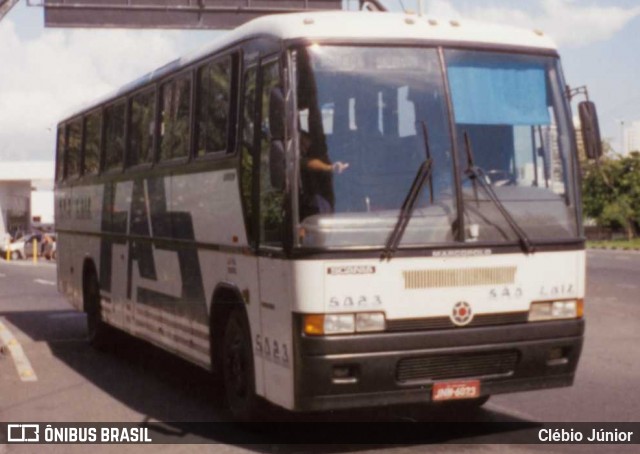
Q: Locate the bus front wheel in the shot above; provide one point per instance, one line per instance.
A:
(237, 367)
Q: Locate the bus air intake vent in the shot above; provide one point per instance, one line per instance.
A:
(459, 277)
(456, 366)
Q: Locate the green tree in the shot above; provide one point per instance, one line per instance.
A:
(611, 192)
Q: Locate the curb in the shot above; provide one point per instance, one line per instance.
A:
(615, 248)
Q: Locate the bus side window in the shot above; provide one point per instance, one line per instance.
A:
(142, 128)
(214, 92)
(92, 131)
(74, 141)
(114, 135)
(271, 199)
(175, 104)
(60, 154)
(246, 148)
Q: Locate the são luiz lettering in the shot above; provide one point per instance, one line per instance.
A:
(596, 436)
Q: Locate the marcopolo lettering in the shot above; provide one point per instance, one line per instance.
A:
(351, 269)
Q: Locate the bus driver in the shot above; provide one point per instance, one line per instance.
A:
(318, 196)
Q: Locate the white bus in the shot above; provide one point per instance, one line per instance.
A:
(336, 210)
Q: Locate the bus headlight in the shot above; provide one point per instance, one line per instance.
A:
(556, 310)
(339, 323)
(369, 321)
(328, 324)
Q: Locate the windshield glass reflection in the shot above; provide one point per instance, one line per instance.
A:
(362, 113)
(510, 121)
(360, 117)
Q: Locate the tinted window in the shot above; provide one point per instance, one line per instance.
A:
(362, 115)
(142, 128)
(74, 142)
(114, 135)
(271, 198)
(60, 154)
(92, 125)
(214, 91)
(247, 139)
(174, 129)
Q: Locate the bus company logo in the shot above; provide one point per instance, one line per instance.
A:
(461, 314)
(353, 269)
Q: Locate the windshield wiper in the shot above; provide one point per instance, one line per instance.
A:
(476, 174)
(406, 210)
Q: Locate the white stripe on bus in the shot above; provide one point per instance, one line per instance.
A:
(137, 308)
(184, 338)
(203, 329)
(163, 340)
(189, 325)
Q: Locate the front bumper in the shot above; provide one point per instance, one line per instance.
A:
(376, 377)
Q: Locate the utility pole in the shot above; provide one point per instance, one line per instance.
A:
(5, 7)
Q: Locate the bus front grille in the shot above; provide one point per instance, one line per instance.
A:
(458, 277)
(432, 323)
(456, 366)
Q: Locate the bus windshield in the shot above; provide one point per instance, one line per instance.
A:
(367, 116)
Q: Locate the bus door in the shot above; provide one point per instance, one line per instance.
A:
(114, 254)
(274, 341)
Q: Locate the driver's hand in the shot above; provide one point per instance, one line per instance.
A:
(339, 167)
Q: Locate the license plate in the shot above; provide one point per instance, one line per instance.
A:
(467, 389)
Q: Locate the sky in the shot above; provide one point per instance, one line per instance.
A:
(46, 73)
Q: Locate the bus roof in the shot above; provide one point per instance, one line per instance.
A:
(385, 25)
(352, 25)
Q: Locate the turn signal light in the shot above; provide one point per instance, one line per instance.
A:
(328, 324)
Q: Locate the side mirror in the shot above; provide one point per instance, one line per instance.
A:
(277, 165)
(590, 129)
(276, 113)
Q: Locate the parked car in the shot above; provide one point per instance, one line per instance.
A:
(16, 250)
(28, 243)
(22, 247)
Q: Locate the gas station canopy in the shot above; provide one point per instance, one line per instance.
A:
(197, 14)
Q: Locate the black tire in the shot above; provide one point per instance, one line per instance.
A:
(237, 367)
(97, 329)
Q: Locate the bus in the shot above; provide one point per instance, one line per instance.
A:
(336, 210)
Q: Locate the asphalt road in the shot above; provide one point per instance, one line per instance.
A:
(134, 382)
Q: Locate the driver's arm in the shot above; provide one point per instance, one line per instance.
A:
(321, 166)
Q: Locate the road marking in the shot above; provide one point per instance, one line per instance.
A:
(629, 286)
(44, 282)
(23, 366)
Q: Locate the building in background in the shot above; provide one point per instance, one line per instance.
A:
(26, 196)
(631, 137)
